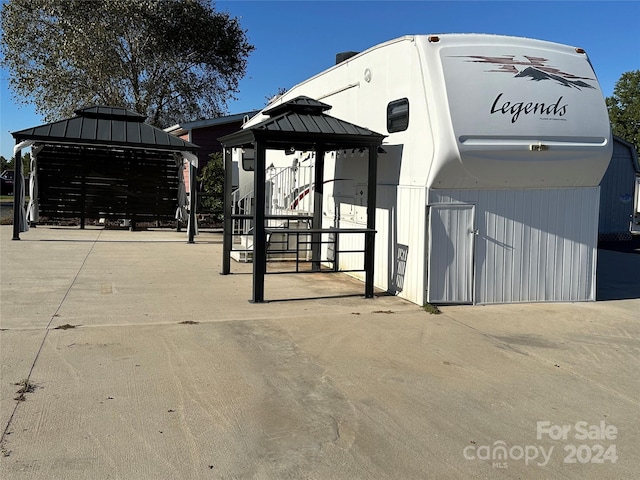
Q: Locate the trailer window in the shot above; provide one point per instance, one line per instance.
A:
(247, 159)
(398, 115)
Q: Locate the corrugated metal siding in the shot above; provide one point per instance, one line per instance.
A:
(616, 192)
(533, 245)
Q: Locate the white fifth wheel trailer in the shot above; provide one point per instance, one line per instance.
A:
(488, 183)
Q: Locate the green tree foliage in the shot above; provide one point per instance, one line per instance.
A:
(173, 60)
(212, 182)
(624, 108)
(10, 164)
(281, 91)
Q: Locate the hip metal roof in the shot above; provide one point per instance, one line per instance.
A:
(105, 126)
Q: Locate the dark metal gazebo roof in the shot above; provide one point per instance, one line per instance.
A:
(301, 122)
(105, 126)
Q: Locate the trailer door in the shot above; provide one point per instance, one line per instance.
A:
(451, 248)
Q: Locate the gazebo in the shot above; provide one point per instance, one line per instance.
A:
(103, 162)
(299, 124)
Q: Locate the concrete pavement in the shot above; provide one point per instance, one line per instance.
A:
(318, 384)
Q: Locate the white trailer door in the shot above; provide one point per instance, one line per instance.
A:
(451, 246)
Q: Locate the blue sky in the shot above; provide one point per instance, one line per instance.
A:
(297, 39)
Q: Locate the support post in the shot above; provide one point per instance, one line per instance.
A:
(259, 234)
(193, 200)
(18, 185)
(227, 231)
(318, 188)
(83, 195)
(369, 248)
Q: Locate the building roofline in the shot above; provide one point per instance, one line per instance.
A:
(634, 153)
(183, 128)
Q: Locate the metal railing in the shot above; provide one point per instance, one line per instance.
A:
(312, 250)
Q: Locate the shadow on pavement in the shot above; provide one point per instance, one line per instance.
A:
(618, 276)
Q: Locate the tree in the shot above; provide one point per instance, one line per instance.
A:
(172, 60)
(10, 164)
(624, 108)
(212, 181)
(281, 91)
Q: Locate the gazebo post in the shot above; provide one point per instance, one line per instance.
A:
(369, 247)
(227, 233)
(259, 234)
(192, 202)
(83, 195)
(318, 189)
(18, 185)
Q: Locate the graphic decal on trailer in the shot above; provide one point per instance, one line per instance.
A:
(534, 68)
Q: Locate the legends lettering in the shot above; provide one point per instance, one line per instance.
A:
(515, 109)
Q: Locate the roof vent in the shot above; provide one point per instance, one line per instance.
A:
(342, 56)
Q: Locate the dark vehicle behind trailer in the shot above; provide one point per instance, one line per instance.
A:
(6, 185)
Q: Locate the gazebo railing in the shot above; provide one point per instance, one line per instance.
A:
(294, 247)
(312, 250)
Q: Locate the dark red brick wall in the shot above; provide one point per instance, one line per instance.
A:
(207, 139)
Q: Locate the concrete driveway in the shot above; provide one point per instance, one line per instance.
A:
(145, 363)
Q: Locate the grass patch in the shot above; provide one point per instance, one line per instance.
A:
(25, 387)
(9, 198)
(66, 326)
(432, 309)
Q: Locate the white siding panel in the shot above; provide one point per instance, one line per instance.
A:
(412, 231)
(534, 245)
(400, 220)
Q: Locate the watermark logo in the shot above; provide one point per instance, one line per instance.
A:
(499, 453)
(583, 443)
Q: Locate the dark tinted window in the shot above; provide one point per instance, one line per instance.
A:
(247, 159)
(398, 115)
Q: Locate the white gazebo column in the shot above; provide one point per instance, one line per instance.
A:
(19, 212)
(33, 209)
(181, 210)
(193, 165)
